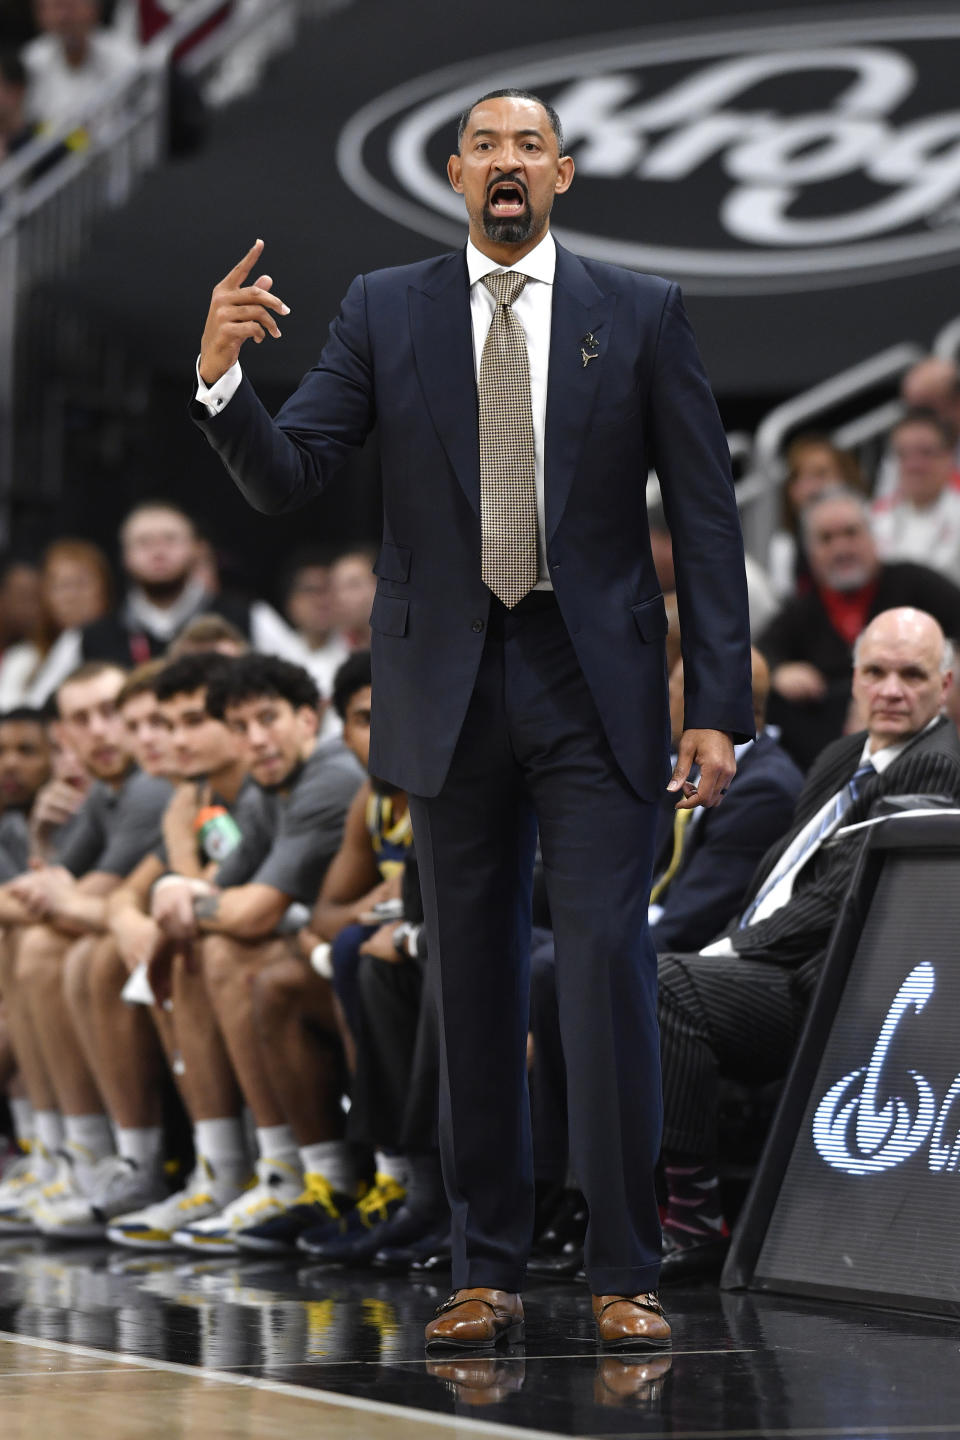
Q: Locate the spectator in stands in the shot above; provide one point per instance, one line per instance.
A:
(208, 635)
(158, 544)
(20, 604)
(921, 521)
(76, 588)
(248, 921)
(201, 827)
(353, 586)
(934, 384)
(737, 1007)
(809, 644)
(73, 61)
(25, 758)
(53, 906)
(760, 596)
(813, 464)
(308, 605)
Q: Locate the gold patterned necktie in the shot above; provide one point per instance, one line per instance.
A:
(508, 491)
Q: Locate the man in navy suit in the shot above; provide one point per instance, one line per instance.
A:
(545, 711)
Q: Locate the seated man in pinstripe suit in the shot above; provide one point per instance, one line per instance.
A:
(736, 1008)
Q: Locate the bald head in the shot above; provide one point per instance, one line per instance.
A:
(901, 674)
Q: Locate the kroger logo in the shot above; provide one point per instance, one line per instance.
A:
(855, 1133)
(778, 157)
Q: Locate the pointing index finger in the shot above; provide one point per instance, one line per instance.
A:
(240, 272)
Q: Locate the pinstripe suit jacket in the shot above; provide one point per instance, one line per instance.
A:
(796, 935)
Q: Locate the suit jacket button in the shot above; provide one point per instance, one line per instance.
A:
(477, 626)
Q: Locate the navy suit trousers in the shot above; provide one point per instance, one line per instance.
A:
(532, 754)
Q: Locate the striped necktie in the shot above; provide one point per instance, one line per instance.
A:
(809, 840)
(508, 489)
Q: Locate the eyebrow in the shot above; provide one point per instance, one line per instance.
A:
(530, 131)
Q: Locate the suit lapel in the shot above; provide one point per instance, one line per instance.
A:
(442, 336)
(580, 309)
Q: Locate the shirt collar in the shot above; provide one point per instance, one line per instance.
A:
(539, 264)
(880, 759)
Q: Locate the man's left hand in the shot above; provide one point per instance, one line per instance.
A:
(712, 751)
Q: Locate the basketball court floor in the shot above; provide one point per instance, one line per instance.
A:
(97, 1344)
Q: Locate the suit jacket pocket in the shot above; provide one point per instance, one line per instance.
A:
(651, 618)
(389, 614)
(393, 563)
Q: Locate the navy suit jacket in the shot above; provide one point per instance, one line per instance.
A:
(400, 354)
(725, 847)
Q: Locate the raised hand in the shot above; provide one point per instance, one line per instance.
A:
(238, 313)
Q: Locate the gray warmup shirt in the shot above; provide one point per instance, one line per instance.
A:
(14, 844)
(116, 828)
(289, 839)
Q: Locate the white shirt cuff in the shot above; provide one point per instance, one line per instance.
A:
(217, 396)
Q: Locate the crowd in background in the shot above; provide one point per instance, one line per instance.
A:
(215, 1031)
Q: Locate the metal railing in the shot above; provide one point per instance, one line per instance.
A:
(51, 194)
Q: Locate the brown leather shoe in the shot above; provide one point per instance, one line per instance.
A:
(631, 1322)
(476, 1319)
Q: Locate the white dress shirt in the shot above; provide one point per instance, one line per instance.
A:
(533, 308)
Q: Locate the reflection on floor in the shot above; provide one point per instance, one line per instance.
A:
(740, 1366)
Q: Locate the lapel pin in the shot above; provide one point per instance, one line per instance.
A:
(589, 348)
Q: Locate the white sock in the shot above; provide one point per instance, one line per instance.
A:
(144, 1146)
(331, 1159)
(424, 1186)
(21, 1113)
(222, 1143)
(278, 1142)
(91, 1134)
(48, 1126)
(393, 1165)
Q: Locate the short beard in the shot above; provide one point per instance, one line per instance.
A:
(508, 232)
(164, 592)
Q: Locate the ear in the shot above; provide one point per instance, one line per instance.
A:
(455, 173)
(565, 168)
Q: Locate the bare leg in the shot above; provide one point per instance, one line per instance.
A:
(23, 1034)
(303, 1068)
(40, 965)
(119, 1041)
(230, 967)
(208, 1083)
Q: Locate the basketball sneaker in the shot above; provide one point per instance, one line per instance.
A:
(278, 1186)
(153, 1227)
(22, 1184)
(381, 1201)
(319, 1204)
(113, 1186)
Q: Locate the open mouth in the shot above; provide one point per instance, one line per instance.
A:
(507, 198)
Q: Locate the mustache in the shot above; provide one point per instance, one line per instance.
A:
(508, 180)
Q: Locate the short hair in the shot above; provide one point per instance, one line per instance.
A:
(510, 94)
(89, 670)
(204, 633)
(307, 557)
(12, 69)
(141, 681)
(189, 673)
(353, 675)
(145, 506)
(255, 677)
(919, 415)
(836, 492)
(23, 715)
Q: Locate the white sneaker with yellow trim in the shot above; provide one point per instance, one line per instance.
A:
(22, 1184)
(153, 1227)
(278, 1186)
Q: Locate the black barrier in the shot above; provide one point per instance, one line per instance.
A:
(856, 1195)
